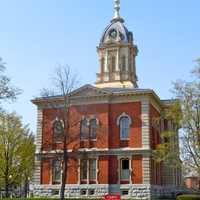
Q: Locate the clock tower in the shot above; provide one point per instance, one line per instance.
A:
(117, 53)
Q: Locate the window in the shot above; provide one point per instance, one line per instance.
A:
(92, 169)
(84, 129)
(124, 128)
(55, 192)
(58, 130)
(125, 172)
(113, 64)
(93, 129)
(124, 192)
(84, 169)
(124, 122)
(83, 192)
(123, 63)
(91, 192)
(56, 172)
(88, 170)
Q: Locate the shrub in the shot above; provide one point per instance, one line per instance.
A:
(188, 197)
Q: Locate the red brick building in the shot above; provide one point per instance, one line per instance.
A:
(113, 132)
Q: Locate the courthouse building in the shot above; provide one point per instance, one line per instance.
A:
(113, 131)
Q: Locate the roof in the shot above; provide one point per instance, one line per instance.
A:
(88, 91)
(122, 34)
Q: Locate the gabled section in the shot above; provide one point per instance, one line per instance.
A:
(87, 91)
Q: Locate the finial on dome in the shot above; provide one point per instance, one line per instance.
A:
(117, 16)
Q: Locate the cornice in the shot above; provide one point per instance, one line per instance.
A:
(105, 98)
(104, 151)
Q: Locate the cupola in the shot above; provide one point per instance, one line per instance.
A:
(117, 54)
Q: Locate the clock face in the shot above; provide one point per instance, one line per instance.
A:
(58, 128)
(113, 34)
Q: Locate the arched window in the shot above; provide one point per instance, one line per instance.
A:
(124, 122)
(93, 129)
(84, 130)
(123, 63)
(102, 65)
(113, 64)
(56, 172)
(124, 128)
(58, 130)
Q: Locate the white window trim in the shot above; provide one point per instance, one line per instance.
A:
(120, 158)
(57, 119)
(52, 173)
(97, 124)
(88, 124)
(52, 125)
(118, 123)
(88, 170)
(124, 115)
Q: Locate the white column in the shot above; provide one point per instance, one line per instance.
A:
(145, 124)
(51, 171)
(117, 60)
(37, 171)
(88, 170)
(127, 60)
(131, 169)
(39, 130)
(119, 169)
(79, 171)
(97, 169)
(146, 170)
(106, 61)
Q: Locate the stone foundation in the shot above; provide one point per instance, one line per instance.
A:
(140, 191)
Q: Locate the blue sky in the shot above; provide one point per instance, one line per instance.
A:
(37, 35)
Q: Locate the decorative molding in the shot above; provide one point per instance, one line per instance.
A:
(124, 115)
(104, 151)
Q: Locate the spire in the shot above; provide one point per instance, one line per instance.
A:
(117, 16)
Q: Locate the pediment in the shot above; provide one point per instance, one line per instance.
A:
(87, 90)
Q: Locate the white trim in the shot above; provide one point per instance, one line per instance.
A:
(124, 115)
(105, 150)
(120, 129)
(119, 169)
(88, 171)
(97, 169)
(79, 171)
(120, 158)
(145, 124)
(130, 169)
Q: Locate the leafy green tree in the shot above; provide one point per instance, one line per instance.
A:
(16, 152)
(185, 114)
(169, 151)
(7, 90)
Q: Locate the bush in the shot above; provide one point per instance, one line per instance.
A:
(188, 197)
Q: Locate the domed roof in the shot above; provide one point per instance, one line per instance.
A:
(116, 32)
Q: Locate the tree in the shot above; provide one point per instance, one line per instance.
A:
(185, 114)
(64, 83)
(16, 151)
(7, 91)
(168, 150)
(189, 95)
